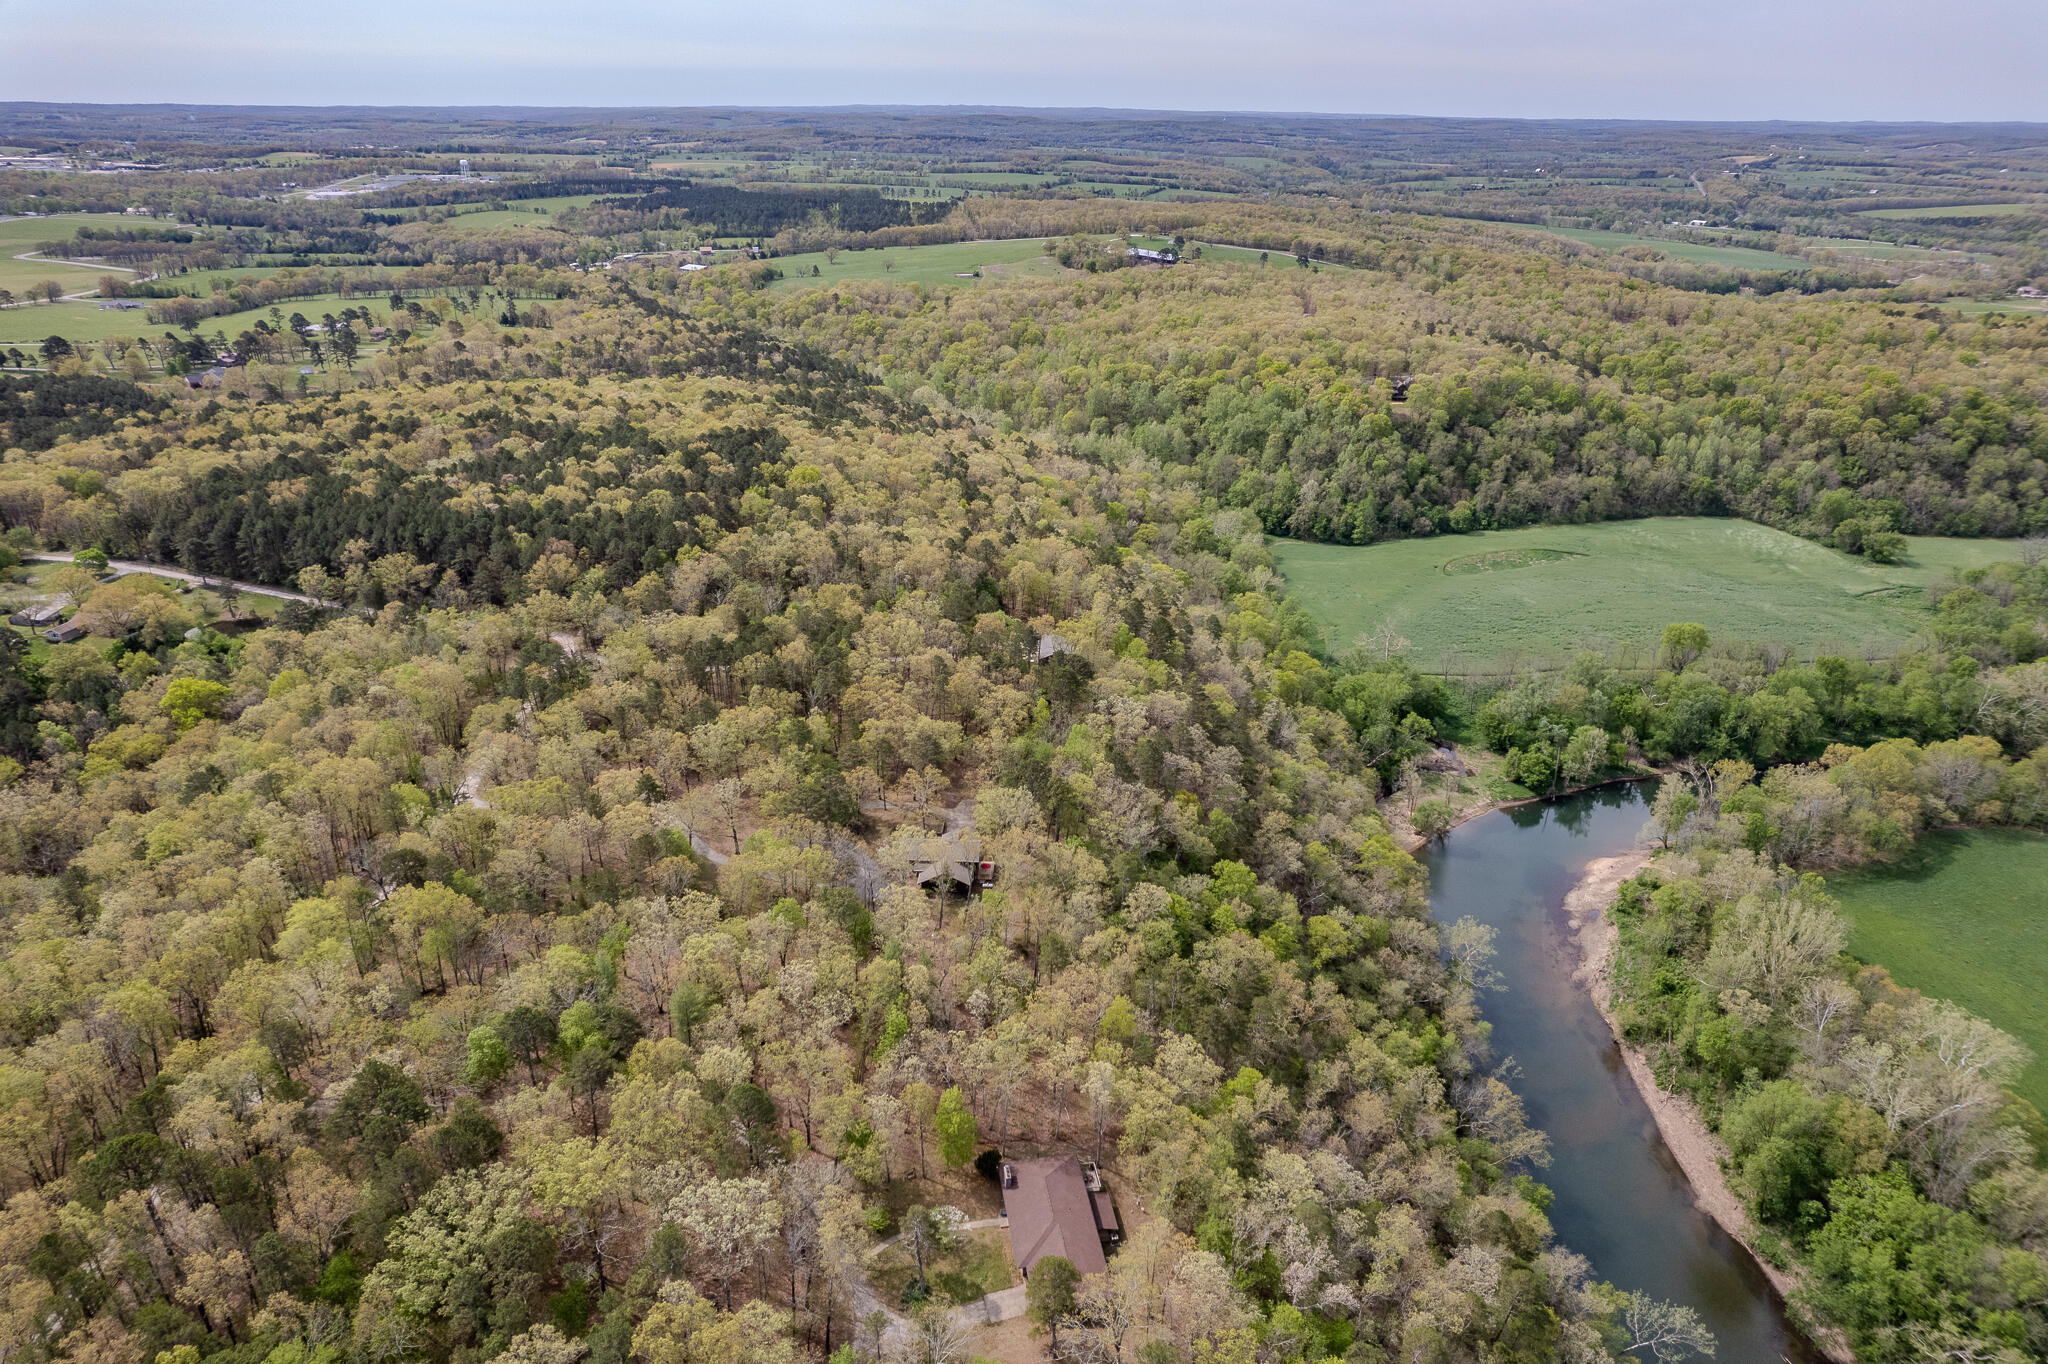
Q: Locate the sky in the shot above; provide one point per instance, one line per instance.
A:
(1670, 59)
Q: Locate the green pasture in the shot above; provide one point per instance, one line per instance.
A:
(1965, 918)
(946, 263)
(1734, 257)
(80, 321)
(1970, 307)
(1860, 246)
(520, 212)
(20, 276)
(1957, 211)
(1543, 593)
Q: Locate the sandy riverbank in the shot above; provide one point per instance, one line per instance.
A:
(1698, 1151)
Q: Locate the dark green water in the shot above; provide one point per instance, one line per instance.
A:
(1622, 1201)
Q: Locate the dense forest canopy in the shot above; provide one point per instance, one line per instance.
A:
(528, 941)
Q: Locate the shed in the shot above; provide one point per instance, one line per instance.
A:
(65, 633)
(37, 617)
(1053, 1210)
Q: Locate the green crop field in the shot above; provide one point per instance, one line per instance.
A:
(1965, 918)
(1734, 257)
(1543, 593)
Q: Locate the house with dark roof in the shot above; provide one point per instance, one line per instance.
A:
(37, 617)
(65, 633)
(1055, 1206)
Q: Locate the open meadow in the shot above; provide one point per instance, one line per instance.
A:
(1700, 253)
(948, 263)
(1545, 592)
(1964, 918)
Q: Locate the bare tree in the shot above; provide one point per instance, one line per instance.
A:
(1667, 1330)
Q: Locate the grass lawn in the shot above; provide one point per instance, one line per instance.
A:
(946, 263)
(1545, 592)
(979, 1265)
(1966, 918)
(1734, 257)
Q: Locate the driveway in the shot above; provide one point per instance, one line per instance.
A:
(180, 575)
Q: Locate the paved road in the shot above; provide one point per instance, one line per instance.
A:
(180, 575)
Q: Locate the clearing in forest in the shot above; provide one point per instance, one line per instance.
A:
(1964, 917)
(1546, 592)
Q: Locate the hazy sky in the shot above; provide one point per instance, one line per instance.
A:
(1724, 59)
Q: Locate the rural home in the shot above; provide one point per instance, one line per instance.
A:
(65, 634)
(1051, 645)
(1139, 253)
(955, 857)
(37, 617)
(1056, 1207)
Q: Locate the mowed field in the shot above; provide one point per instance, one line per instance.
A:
(1543, 593)
(1966, 919)
(18, 235)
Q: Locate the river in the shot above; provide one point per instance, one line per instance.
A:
(1622, 1201)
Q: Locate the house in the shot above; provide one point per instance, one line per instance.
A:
(2029, 291)
(1058, 1206)
(227, 359)
(1697, 222)
(1139, 253)
(379, 333)
(1050, 645)
(65, 633)
(955, 858)
(37, 617)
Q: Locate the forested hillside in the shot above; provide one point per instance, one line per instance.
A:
(449, 977)
(523, 947)
(1543, 390)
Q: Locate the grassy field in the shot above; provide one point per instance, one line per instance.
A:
(1734, 257)
(1957, 211)
(1970, 307)
(949, 263)
(519, 213)
(1543, 593)
(1965, 919)
(82, 321)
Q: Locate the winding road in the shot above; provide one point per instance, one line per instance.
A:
(180, 575)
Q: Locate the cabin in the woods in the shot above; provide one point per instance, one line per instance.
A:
(954, 859)
(1060, 1206)
(1050, 646)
